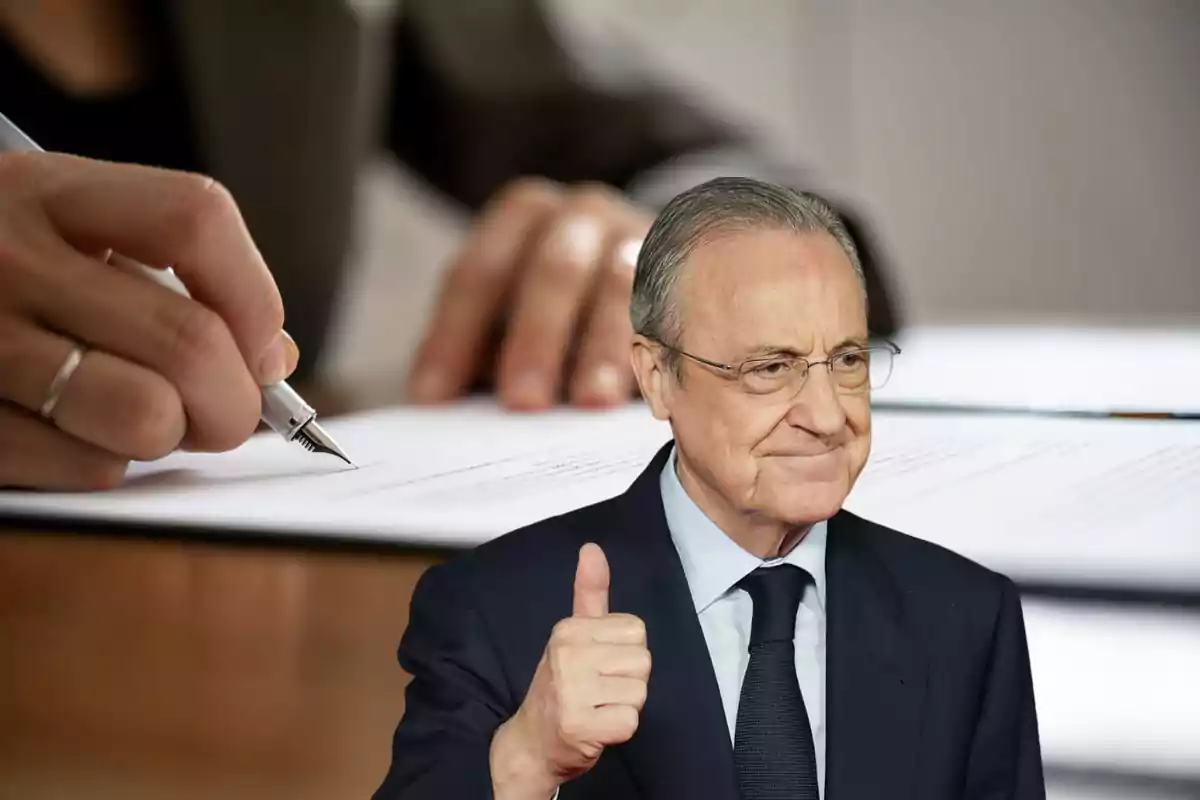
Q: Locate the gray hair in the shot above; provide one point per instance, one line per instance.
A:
(718, 206)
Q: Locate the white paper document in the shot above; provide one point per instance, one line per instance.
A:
(1059, 500)
(1080, 501)
(1043, 368)
(451, 476)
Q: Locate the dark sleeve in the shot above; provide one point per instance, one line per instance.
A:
(1006, 761)
(487, 90)
(457, 698)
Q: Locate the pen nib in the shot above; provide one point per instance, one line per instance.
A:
(314, 437)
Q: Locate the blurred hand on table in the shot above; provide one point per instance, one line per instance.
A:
(536, 302)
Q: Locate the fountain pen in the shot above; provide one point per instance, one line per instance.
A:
(284, 411)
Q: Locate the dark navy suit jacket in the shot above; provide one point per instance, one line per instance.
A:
(928, 690)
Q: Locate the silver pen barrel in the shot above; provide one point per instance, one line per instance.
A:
(285, 411)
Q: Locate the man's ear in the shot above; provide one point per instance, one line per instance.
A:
(652, 377)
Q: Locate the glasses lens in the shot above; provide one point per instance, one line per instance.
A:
(771, 375)
(881, 366)
(852, 370)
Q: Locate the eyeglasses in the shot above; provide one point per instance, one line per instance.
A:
(853, 371)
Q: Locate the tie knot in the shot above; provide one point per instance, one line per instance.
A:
(776, 592)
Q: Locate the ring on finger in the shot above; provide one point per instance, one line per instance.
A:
(61, 378)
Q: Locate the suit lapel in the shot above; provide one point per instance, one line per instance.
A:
(875, 677)
(682, 746)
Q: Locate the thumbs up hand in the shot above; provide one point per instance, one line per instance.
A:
(586, 694)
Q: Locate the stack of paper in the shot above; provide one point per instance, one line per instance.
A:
(1078, 501)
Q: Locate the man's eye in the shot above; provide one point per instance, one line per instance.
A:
(851, 360)
(774, 368)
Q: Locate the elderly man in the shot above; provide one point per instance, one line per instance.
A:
(798, 651)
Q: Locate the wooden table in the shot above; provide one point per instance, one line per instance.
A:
(133, 667)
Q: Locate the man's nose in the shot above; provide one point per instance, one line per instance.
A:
(817, 407)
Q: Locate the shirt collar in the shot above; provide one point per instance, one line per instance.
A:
(712, 562)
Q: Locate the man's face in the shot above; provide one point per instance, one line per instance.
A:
(777, 457)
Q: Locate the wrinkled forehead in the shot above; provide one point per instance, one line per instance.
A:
(749, 283)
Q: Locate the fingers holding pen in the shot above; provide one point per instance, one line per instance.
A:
(175, 337)
(160, 370)
(160, 217)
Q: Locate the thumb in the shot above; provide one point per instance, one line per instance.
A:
(591, 583)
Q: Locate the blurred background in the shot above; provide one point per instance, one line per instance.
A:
(1027, 160)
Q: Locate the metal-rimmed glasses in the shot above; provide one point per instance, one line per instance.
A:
(854, 371)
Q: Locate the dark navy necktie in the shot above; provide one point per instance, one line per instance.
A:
(773, 743)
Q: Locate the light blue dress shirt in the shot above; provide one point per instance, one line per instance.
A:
(713, 564)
